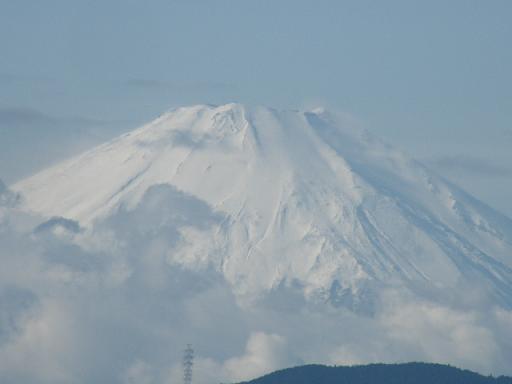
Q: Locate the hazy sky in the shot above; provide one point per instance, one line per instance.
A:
(432, 77)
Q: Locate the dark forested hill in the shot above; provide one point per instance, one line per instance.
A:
(409, 373)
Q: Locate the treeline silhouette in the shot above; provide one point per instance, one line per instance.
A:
(408, 373)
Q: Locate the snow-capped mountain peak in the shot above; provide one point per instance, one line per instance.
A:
(275, 198)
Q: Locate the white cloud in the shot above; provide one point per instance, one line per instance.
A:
(43, 348)
(264, 354)
(111, 308)
(140, 372)
(442, 334)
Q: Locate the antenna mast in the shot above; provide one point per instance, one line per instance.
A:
(188, 363)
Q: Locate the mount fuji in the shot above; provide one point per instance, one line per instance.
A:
(272, 199)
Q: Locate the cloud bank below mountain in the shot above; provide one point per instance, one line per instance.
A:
(111, 307)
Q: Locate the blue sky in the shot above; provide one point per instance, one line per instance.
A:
(434, 78)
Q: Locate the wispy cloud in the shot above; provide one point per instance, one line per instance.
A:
(31, 139)
(16, 116)
(9, 78)
(154, 84)
(471, 165)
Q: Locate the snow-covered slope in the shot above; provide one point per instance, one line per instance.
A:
(294, 198)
